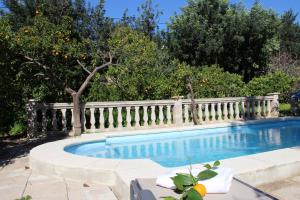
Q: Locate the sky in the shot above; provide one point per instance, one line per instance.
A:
(115, 8)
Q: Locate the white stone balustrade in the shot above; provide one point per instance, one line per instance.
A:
(127, 115)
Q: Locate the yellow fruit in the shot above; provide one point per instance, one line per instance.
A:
(201, 189)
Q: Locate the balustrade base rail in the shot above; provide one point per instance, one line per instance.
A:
(134, 115)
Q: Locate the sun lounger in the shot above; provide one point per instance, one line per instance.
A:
(145, 189)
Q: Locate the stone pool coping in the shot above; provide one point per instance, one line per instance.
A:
(51, 159)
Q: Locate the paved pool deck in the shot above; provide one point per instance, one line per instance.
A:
(17, 180)
(50, 159)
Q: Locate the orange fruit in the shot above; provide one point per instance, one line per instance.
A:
(201, 189)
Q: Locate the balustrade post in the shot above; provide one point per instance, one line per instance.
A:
(219, 110)
(31, 118)
(64, 119)
(110, 118)
(231, 110)
(200, 113)
(153, 116)
(169, 116)
(137, 116)
(93, 121)
(248, 108)
(128, 117)
(243, 110)
(177, 111)
(120, 119)
(101, 119)
(145, 117)
(258, 109)
(206, 112)
(225, 111)
(213, 112)
(54, 120)
(253, 108)
(44, 120)
(161, 115)
(237, 110)
(186, 114)
(275, 104)
(268, 108)
(264, 108)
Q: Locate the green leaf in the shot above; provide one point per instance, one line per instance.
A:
(206, 174)
(207, 166)
(217, 163)
(193, 195)
(169, 198)
(182, 180)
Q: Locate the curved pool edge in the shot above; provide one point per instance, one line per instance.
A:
(51, 159)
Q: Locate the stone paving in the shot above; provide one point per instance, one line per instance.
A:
(288, 189)
(17, 180)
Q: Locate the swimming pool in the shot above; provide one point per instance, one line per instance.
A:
(172, 149)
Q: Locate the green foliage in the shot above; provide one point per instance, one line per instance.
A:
(139, 74)
(285, 109)
(272, 82)
(184, 182)
(28, 197)
(17, 128)
(213, 32)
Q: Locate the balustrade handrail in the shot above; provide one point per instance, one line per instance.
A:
(119, 115)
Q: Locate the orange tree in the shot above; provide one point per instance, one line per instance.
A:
(55, 54)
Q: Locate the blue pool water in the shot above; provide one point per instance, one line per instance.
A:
(172, 149)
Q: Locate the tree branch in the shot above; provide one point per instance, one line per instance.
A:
(83, 67)
(32, 60)
(93, 73)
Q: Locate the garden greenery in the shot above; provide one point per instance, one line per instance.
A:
(224, 49)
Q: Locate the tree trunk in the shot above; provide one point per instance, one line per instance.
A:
(76, 112)
(193, 104)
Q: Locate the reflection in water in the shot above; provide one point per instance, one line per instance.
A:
(189, 147)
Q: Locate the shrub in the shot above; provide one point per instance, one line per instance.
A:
(272, 82)
(17, 128)
(214, 82)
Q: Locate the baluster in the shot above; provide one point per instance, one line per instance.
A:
(153, 117)
(253, 108)
(145, 117)
(169, 117)
(64, 120)
(258, 108)
(213, 112)
(231, 110)
(225, 111)
(128, 117)
(54, 120)
(161, 115)
(248, 109)
(243, 110)
(206, 112)
(137, 116)
(219, 110)
(110, 118)
(200, 113)
(92, 121)
(186, 114)
(44, 121)
(101, 119)
(264, 108)
(119, 125)
(83, 119)
(269, 108)
(237, 110)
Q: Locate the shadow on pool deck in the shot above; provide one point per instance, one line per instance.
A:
(12, 148)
